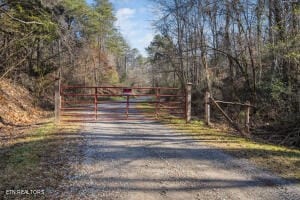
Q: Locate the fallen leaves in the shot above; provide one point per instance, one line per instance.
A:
(17, 105)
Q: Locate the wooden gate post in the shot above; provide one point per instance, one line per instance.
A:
(247, 121)
(188, 102)
(157, 94)
(127, 106)
(57, 90)
(96, 103)
(57, 101)
(207, 108)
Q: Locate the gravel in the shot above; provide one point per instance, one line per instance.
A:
(138, 160)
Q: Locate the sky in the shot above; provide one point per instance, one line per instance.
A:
(134, 18)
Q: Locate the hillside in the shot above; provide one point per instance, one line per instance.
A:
(17, 108)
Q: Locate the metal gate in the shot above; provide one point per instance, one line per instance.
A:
(81, 103)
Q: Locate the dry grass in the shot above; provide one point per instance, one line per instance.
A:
(38, 160)
(281, 160)
(34, 154)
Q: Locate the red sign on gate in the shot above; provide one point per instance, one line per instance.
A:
(127, 91)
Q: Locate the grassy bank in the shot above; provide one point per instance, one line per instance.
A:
(280, 160)
(38, 160)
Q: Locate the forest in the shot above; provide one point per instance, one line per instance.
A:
(238, 50)
(71, 40)
(207, 107)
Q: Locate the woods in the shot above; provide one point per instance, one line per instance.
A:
(237, 50)
(42, 41)
(150, 99)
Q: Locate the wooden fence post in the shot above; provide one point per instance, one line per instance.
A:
(157, 94)
(127, 106)
(207, 108)
(57, 101)
(96, 103)
(57, 90)
(247, 121)
(188, 102)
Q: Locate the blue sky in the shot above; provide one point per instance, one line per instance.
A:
(134, 18)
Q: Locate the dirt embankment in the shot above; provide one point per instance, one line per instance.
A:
(34, 151)
(16, 108)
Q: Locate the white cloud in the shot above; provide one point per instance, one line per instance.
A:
(119, 1)
(145, 41)
(125, 19)
(125, 13)
(134, 27)
(125, 22)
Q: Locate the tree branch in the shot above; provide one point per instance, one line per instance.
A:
(19, 20)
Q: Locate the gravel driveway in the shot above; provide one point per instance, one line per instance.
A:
(138, 160)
